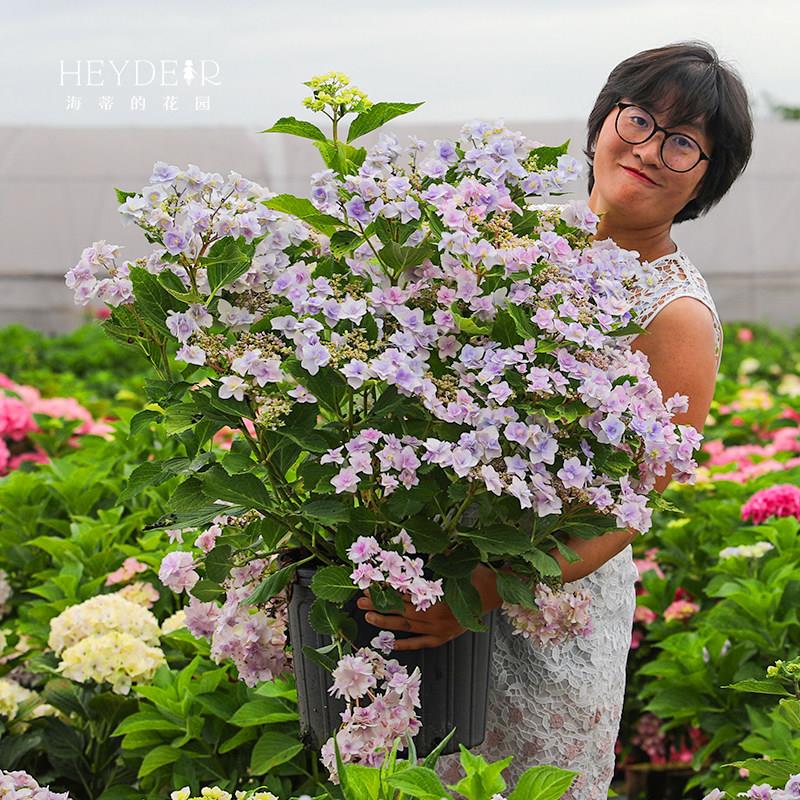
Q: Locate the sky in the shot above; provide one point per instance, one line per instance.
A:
(513, 60)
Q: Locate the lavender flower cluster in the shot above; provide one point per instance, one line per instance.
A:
(574, 299)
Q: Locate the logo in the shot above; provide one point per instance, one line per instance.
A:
(142, 78)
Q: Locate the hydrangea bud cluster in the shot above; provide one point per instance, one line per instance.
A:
(381, 700)
(253, 638)
(560, 616)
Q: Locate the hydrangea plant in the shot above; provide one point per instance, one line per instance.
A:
(429, 372)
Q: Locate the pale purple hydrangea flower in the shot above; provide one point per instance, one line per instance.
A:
(177, 571)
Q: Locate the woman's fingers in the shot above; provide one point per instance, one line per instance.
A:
(408, 608)
(417, 642)
(396, 622)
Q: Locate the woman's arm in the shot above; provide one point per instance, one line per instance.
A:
(680, 345)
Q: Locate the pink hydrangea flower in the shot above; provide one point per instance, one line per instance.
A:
(352, 677)
(680, 610)
(781, 500)
(177, 571)
(130, 567)
(16, 419)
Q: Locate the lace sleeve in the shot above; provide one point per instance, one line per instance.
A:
(666, 279)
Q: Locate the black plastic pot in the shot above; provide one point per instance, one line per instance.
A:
(455, 677)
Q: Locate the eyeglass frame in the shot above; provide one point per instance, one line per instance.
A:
(656, 128)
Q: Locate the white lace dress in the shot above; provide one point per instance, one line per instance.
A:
(562, 705)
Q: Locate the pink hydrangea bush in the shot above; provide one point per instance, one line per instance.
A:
(18, 405)
(781, 500)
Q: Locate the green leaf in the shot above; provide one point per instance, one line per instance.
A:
(218, 563)
(504, 330)
(244, 489)
(333, 583)
(341, 157)
(460, 562)
(468, 325)
(386, 598)
(271, 586)
(318, 656)
(152, 473)
(764, 686)
(272, 750)
(426, 534)
(227, 260)
(376, 115)
(363, 781)
(174, 285)
(344, 242)
(264, 711)
(400, 258)
(306, 211)
(146, 721)
(514, 590)
(142, 419)
(774, 771)
(521, 315)
(465, 602)
(525, 223)
(325, 617)
(543, 783)
(207, 590)
(241, 737)
(548, 156)
(328, 386)
(122, 195)
(419, 782)
(296, 127)
(625, 330)
(153, 301)
(543, 563)
(157, 758)
(499, 539)
(326, 511)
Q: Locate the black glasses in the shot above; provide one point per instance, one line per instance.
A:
(679, 152)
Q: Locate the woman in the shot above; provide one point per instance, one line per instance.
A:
(669, 133)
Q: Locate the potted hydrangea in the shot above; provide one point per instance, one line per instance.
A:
(430, 377)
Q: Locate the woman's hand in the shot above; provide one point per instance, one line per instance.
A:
(435, 626)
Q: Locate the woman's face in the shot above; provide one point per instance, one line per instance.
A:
(617, 189)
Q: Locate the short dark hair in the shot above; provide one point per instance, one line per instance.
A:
(700, 85)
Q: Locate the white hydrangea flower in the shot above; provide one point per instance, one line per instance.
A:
(107, 613)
